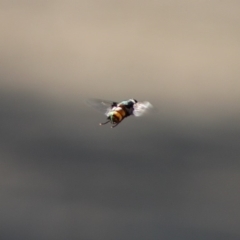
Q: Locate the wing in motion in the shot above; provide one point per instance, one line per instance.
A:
(103, 106)
(141, 108)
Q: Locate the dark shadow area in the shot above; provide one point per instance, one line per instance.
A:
(64, 177)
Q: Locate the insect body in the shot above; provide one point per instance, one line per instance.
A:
(116, 112)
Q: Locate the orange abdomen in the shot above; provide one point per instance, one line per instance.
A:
(120, 115)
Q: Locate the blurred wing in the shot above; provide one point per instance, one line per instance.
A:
(141, 108)
(103, 106)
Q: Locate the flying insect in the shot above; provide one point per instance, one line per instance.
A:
(116, 112)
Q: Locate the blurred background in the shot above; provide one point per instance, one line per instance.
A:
(173, 174)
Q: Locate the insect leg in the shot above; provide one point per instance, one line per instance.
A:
(104, 123)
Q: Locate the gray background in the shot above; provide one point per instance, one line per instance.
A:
(173, 174)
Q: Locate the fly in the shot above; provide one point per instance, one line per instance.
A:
(116, 112)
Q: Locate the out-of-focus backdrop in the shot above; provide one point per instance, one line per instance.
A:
(174, 174)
